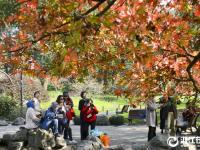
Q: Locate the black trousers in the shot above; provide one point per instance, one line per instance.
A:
(68, 132)
(151, 133)
(84, 129)
(92, 125)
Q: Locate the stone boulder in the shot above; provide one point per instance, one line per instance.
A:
(88, 145)
(95, 139)
(41, 139)
(60, 142)
(15, 145)
(102, 120)
(19, 121)
(19, 136)
(3, 123)
(159, 142)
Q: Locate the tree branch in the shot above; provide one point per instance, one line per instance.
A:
(106, 8)
(192, 63)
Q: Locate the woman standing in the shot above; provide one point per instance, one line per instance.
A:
(151, 117)
(68, 103)
(89, 114)
(83, 125)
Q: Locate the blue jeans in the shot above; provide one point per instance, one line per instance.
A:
(61, 125)
(53, 124)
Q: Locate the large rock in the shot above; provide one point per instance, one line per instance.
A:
(102, 120)
(41, 139)
(19, 136)
(3, 123)
(95, 140)
(15, 145)
(60, 142)
(159, 142)
(19, 121)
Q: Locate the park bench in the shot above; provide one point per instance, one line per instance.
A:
(136, 114)
(191, 125)
(124, 109)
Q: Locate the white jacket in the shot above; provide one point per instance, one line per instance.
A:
(151, 112)
(31, 119)
(37, 104)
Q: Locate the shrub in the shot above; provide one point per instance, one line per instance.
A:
(7, 105)
(102, 120)
(77, 120)
(116, 120)
(17, 112)
(51, 87)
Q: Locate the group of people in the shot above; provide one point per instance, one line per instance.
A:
(58, 116)
(168, 114)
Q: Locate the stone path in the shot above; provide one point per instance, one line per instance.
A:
(119, 134)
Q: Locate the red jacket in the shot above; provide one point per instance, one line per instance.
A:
(89, 114)
(70, 113)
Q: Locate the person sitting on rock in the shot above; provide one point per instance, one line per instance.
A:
(32, 121)
(50, 119)
(189, 113)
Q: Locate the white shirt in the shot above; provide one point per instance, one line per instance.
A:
(36, 104)
(31, 119)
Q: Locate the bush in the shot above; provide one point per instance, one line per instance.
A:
(17, 113)
(116, 120)
(77, 120)
(7, 105)
(102, 120)
(51, 87)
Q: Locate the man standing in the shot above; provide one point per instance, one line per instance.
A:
(163, 112)
(172, 111)
(151, 117)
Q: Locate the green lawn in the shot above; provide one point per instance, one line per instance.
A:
(103, 103)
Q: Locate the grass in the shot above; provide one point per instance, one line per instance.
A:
(102, 102)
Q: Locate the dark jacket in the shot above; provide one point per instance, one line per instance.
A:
(171, 106)
(80, 107)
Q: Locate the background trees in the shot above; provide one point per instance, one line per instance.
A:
(139, 45)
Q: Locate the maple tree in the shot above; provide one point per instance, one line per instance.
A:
(144, 44)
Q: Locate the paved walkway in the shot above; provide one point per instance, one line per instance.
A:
(119, 134)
